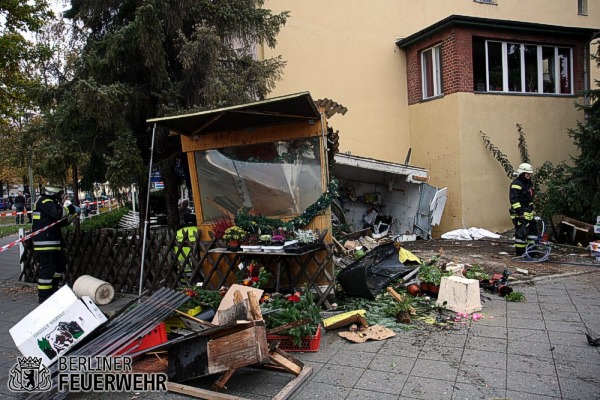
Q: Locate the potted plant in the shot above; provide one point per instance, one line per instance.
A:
(402, 309)
(305, 240)
(430, 277)
(475, 271)
(281, 310)
(233, 236)
(250, 243)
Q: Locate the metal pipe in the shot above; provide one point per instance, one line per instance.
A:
(146, 221)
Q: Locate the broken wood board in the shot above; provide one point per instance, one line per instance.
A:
(374, 332)
(345, 319)
(226, 348)
(228, 300)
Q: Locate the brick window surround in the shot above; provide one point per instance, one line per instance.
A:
(457, 59)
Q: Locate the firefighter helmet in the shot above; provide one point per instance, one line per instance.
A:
(52, 189)
(525, 169)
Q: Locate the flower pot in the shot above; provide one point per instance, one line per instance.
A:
(424, 287)
(233, 245)
(434, 290)
(414, 290)
(403, 317)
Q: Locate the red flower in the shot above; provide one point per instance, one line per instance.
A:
(255, 279)
(294, 298)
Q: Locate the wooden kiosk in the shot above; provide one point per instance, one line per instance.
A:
(268, 157)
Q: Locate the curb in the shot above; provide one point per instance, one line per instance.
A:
(557, 276)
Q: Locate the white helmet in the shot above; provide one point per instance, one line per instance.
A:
(52, 189)
(525, 169)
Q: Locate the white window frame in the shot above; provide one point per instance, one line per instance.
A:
(539, 65)
(436, 59)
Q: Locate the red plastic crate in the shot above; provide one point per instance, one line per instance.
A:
(310, 343)
(156, 336)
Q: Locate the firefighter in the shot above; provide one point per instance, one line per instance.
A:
(521, 209)
(48, 244)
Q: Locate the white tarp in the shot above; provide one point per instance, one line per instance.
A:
(470, 234)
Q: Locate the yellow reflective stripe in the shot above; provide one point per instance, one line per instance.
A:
(37, 216)
(46, 248)
(44, 287)
(515, 187)
(516, 205)
(520, 245)
(46, 200)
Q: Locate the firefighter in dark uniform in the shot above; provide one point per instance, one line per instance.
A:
(49, 243)
(521, 209)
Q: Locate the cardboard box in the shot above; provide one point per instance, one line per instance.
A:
(56, 325)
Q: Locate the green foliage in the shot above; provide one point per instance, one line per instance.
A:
(290, 311)
(476, 271)
(523, 145)
(515, 297)
(201, 297)
(406, 304)
(432, 274)
(107, 220)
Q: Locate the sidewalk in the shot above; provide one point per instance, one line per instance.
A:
(530, 350)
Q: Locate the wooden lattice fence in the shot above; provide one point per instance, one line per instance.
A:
(114, 256)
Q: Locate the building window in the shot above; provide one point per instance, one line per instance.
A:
(522, 68)
(582, 7)
(431, 72)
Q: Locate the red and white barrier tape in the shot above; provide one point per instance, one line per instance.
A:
(24, 238)
(86, 203)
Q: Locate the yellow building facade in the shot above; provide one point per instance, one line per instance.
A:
(430, 75)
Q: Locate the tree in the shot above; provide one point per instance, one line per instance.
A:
(18, 53)
(151, 58)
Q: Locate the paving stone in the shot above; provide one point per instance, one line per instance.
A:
(439, 369)
(521, 363)
(580, 388)
(488, 331)
(403, 346)
(568, 339)
(486, 343)
(383, 382)
(512, 394)
(424, 388)
(529, 335)
(353, 357)
(442, 353)
(554, 299)
(563, 316)
(558, 308)
(562, 326)
(359, 394)
(469, 391)
(321, 356)
(371, 346)
(526, 323)
(482, 376)
(392, 363)
(575, 353)
(487, 358)
(577, 370)
(589, 309)
(544, 385)
(338, 375)
(446, 339)
(316, 390)
(528, 348)
(496, 321)
(272, 385)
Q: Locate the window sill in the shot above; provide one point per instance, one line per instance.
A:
(528, 94)
(439, 96)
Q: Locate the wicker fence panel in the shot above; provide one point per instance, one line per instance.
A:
(114, 256)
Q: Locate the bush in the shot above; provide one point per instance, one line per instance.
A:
(107, 220)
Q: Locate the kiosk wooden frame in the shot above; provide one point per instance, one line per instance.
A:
(283, 118)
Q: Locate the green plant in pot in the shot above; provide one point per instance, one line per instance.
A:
(476, 271)
(233, 236)
(401, 309)
(430, 276)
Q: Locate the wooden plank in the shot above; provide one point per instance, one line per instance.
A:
(289, 389)
(240, 349)
(254, 307)
(222, 381)
(394, 294)
(286, 364)
(188, 316)
(200, 393)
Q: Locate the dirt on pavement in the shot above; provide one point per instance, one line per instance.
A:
(496, 254)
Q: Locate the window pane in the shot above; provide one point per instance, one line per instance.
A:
(548, 68)
(531, 69)
(438, 70)
(514, 67)
(479, 65)
(274, 179)
(564, 63)
(495, 66)
(427, 74)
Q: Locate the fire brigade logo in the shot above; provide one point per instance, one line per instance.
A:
(29, 375)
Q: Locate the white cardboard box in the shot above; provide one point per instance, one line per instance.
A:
(56, 325)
